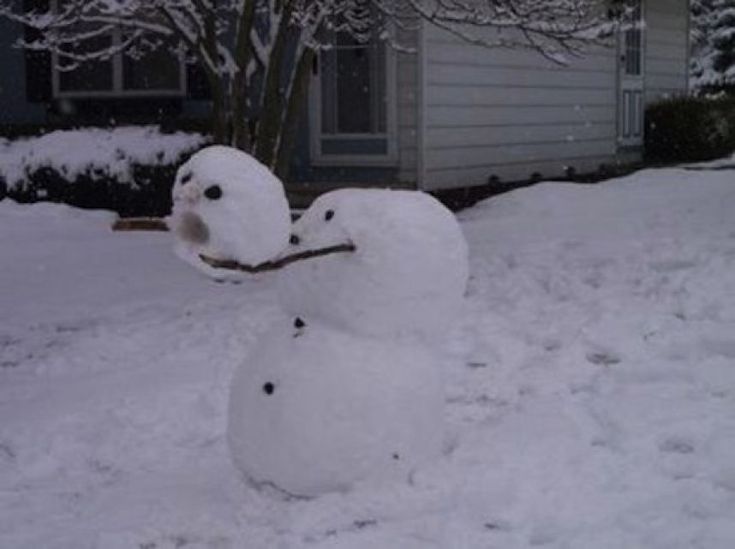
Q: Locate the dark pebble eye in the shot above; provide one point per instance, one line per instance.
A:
(298, 323)
(396, 456)
(214, 192)
(329, 214)
(268, 388)
(294, 240)
(186, 178)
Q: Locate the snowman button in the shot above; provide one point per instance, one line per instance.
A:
(268, 388)
(294, 240)
(298, 323)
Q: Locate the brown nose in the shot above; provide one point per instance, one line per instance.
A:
(191, 228)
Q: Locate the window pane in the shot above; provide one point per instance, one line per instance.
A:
(634, 44)
(91, 76)
(353, 84)
(157, 70)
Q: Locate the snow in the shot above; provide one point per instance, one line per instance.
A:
(112, 151)
(246, 219)
(407, 276)
(590, 385)
(314, 409)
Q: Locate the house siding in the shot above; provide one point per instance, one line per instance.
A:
(510, 114)
(667, 48)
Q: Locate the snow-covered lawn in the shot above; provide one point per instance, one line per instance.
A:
(591, 385)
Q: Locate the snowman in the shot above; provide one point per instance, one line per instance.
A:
(349, 388)
(227, 205)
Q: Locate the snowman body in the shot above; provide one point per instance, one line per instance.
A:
(226, 205)
(351, 388)
(407, 276)
(314, 410)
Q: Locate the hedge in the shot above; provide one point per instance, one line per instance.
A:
(690, 129)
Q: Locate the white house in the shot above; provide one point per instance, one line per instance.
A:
(461, 115)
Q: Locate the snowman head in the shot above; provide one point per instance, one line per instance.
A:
(408, 267)
(228, 205)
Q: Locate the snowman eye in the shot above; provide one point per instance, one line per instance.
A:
(269, 388)
(186, 178)
(298, 323)
(329, 214)
(214, 192)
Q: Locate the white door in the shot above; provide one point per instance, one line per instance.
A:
(352, 104)
(631, 104)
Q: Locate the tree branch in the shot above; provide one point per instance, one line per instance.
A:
(140, 224)
(276, 264)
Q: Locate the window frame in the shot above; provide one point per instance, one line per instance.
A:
(118, 90)
(317, 136)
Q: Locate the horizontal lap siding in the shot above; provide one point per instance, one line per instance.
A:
(666, 48)
(511, 113)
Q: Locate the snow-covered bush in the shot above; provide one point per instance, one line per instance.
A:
(127, 169)
(687, 129)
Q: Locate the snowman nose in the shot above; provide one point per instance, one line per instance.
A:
(189, 195)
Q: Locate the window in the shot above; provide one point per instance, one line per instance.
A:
(634, 42)
(352, 112)
(158, 73)
(353, 88)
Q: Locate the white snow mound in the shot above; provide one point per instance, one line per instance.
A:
(227, 205)
(408, 274)
(314, 410)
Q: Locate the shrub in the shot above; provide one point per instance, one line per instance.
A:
(129, 170)
(690, 129)
(150, 196)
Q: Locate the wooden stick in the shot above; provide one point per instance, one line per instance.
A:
(140, 224)
(274, 265)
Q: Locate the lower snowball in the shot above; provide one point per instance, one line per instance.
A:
(315, 410)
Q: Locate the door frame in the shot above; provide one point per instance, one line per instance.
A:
(631, 89)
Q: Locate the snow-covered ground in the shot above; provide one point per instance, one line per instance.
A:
(591, 385)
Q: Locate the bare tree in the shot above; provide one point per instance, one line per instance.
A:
(258, 54)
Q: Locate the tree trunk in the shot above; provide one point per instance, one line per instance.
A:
(241, 137)
(271, 116)
(294, 110)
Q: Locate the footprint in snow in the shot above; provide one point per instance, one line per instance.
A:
(603, 358)
(672, 265)
(676, 445)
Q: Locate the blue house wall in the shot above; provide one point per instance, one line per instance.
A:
(14, 107)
